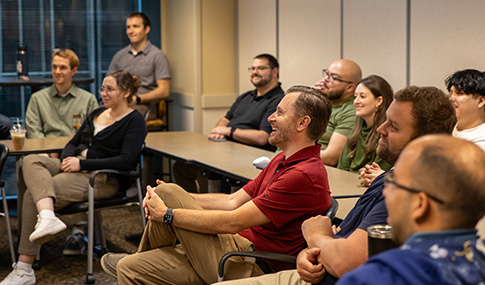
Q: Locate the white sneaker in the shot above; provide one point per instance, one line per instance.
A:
(18, 276)
(46, 229)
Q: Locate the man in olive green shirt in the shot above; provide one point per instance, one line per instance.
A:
(338, 83)
(50, 110)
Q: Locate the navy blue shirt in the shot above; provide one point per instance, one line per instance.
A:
(251, 111)
(369, 210)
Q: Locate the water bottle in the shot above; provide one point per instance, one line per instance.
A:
(22, 65)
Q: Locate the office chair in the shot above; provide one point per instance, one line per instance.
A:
(3, 158)
(125, 197)
(260, 256)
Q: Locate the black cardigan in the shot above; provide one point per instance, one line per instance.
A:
(118, 146)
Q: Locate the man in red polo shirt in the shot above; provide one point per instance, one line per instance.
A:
(267, 212)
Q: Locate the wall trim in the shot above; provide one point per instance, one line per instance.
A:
(217, 100)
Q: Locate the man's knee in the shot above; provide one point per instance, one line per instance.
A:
(175, 196)
(125, 265)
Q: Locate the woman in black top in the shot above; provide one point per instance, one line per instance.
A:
(110, 137)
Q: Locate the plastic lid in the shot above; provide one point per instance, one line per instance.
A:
(380, 231)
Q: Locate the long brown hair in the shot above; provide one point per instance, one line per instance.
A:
(379, 87)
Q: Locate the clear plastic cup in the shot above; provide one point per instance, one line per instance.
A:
(18, 133)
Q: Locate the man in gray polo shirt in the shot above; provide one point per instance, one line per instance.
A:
(146, 61)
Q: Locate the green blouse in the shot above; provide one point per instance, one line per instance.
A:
(353, 164)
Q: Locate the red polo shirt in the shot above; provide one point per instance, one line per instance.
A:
(288, 191)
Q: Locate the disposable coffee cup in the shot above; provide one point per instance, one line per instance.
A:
(379, 239)
(18, 136)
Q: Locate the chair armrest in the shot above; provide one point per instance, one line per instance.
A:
(130, 173)
(256, 254)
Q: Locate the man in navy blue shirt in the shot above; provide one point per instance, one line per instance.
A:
(435, 198)
(331, 252)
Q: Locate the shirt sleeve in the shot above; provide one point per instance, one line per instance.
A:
(33, 120)
(161, 67)
(378, 215)
(345, 122)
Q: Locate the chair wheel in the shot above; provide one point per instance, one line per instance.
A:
(90, 279)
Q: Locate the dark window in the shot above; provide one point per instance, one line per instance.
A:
(94, 29)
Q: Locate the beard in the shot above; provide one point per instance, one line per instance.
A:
(386, 153)
(282, 136)
(262, 82)
(335, 94)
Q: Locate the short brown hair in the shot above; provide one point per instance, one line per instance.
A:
(432, 110)
(313, 103)
(126, 81)
(70, 55)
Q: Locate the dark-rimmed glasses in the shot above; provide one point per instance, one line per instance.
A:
(389, 180)
(259, 68)
(332, 78)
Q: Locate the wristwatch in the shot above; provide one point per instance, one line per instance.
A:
(138, 100)
(232, 132)
(168, 218)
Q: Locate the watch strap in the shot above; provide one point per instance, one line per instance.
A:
(168, 218)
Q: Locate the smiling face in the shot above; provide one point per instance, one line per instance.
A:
(112, 95)
(396, 131)
(136, 31)
(62, 72)
(366, 104)
(261, 78)
(283, 121)
(469, 109)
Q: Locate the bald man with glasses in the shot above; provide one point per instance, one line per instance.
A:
(338, 83)
(434, 197)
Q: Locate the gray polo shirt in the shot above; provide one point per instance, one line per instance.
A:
(150, 64)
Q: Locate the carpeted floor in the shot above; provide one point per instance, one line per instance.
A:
(59, 269)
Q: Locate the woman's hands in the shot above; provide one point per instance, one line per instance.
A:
(71, 164)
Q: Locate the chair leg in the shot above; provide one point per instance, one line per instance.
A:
(90, 278)
(7, 221)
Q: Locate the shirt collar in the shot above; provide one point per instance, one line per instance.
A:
(143, 51)
(53, 91)
(420, 236)
(267, 94)
(302, 154)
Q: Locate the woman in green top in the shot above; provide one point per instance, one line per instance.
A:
(373, 95)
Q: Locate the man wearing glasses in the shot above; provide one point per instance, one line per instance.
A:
(246, 121)
(338, 83)
(414, 112)
(435, 198)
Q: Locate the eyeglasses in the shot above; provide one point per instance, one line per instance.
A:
(107, 90)
(260, 68)
(332, 78)
(389, 180)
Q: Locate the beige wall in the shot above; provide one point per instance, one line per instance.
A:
(199, 38)
(210, 44)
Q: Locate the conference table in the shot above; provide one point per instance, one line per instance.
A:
(236, 160)
(42, 145)
(228, 158)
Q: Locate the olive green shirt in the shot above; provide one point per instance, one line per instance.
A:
(353, 164)
(342, 121)
(50, 115)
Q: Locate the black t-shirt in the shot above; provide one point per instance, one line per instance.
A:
(251, 111)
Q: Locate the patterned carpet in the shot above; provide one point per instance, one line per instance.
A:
(59, 269)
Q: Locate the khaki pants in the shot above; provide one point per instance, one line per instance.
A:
(194, 261)
(288, 277)
(43, 178)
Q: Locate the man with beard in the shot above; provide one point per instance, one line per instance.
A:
(435, 198)
(266, 214)
(246, 121)
(415, 111)
(338, 83)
